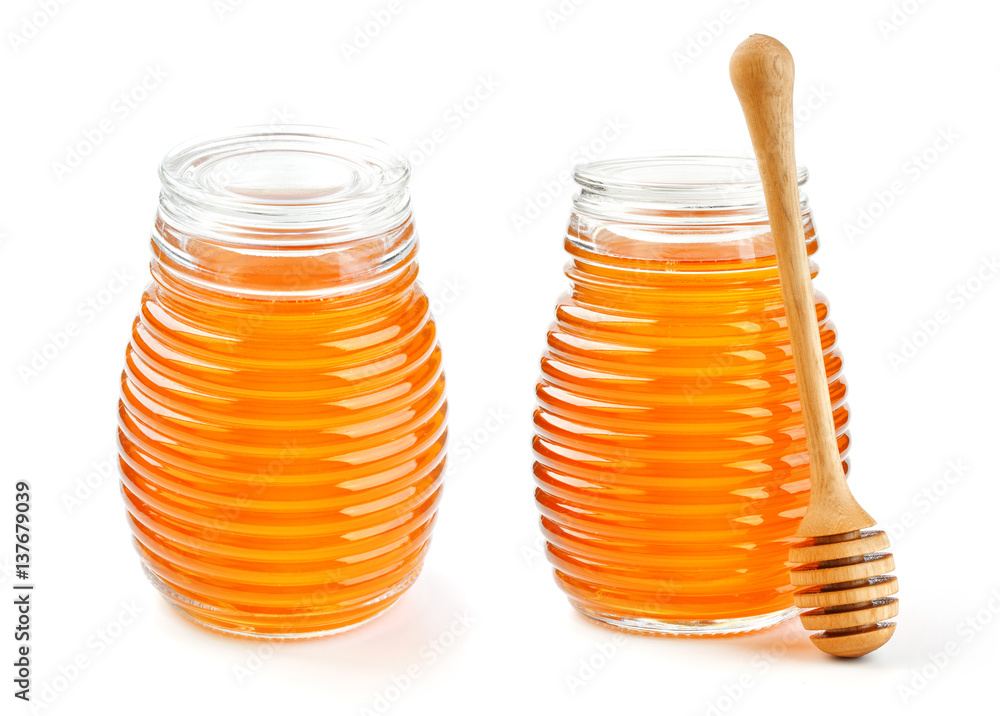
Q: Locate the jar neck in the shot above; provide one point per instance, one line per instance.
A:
(674, 213)
(277, 270)
(292, 214)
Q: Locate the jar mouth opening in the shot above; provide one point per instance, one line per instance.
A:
(685, 181)
(295, 177)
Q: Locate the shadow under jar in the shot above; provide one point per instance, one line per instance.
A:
(671, 464)
(282, 414)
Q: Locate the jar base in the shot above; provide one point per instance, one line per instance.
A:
(694, 628)
(256, 626)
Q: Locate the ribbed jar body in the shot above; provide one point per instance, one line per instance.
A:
(671, 462)
(282, 416)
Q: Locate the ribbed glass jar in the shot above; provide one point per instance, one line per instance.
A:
(282, 414)
(671, 463)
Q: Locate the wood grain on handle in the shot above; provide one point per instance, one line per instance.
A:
(763, 73)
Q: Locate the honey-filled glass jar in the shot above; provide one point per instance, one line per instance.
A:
(282, 414)
(671, 464)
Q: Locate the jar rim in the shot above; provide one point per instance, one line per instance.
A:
(718, 180)
(296, 177)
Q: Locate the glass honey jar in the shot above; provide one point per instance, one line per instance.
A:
(282, 413)
(671, 464)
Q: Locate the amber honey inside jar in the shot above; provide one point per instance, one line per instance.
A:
(282, 415)
(671, 464)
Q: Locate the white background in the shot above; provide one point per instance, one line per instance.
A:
(882, 87)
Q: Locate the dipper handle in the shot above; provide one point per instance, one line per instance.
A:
(762, 72)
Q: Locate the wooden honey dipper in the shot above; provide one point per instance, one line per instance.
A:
(842, 576)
